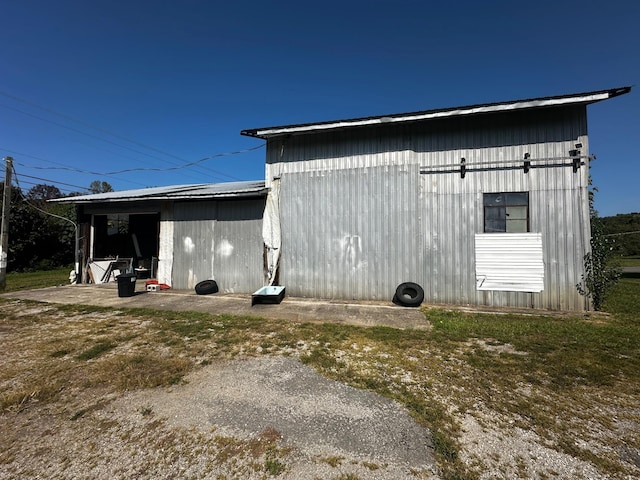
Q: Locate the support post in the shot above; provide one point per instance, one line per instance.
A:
(77, 254)
(4, 229)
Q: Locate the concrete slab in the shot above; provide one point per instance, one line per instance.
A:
(291, 308)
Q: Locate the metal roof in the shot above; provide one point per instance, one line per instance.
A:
(576, 98)
(175, 192)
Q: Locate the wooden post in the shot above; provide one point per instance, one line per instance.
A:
(4, 229)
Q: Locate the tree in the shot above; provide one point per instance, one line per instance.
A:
(100, 187)
(45, 192)
(625, 229)
(600, 271)
(38, 241)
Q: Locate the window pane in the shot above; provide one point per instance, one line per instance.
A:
(516, 226)
(506, 212)
(117, 224)
(491, 213)
(516, 213)
(517, 198)
(493, 199)
(495, 226)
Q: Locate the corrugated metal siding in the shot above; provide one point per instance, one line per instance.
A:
(220, 240)
(511, 262)
(123, 207)
(347, 234)
(449, 208)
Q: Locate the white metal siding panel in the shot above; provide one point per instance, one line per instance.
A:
(165, 255)
(509, 262)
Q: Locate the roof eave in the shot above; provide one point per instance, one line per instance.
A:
(178, 192)
(220, 196)
(545, 102)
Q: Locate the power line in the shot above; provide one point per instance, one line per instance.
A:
(151, 169)
(80, 132)
(83, 123)
(60, 217)
(24, 182)
(191, 164)
(63, 166)
(196, 163)
(66, 117)
(55, 182)
(48, 180)
(80, 122)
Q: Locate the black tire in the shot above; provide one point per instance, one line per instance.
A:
(206, 287)
(409, 294)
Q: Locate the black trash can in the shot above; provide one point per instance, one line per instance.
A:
(126, 285)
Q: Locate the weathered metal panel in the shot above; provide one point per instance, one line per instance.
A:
(510, 262)
(219, 240)
(439, 236)
(349, 233)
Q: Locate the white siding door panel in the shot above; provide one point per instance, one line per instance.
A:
(511, 262)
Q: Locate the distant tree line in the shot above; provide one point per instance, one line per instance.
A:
(624, 223)
(38, 241)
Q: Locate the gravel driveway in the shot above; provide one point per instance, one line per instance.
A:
(317, 417)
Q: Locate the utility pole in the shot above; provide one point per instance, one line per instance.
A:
(4, 230)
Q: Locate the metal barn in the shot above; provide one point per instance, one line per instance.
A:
(180, 235)
(480, 205)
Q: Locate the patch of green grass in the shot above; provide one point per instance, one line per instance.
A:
(320, 358)
(198, 326)
(31, 280)
(624, 300)
(274, 467)
(570, 351)
(96, 350)
(632, 261)
(80, 309)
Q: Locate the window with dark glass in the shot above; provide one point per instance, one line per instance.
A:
(506, 212)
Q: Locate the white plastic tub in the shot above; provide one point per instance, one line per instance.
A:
(269, 294)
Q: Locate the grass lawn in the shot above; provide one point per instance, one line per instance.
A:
(573, 383)
(630, 261)
(31, 280)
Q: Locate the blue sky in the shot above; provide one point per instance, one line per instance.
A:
(105, 86)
